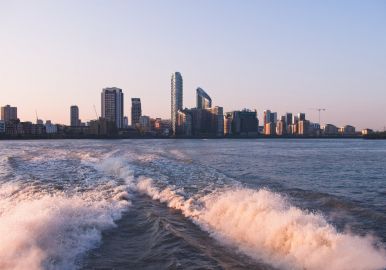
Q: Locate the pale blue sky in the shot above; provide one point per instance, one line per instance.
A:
(281, 55)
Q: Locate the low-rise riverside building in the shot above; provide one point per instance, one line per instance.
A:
(367, 131)
(2, 127)
(347, 130)
(144, 123)
(50, 128)
(330, 130)
(245, 123)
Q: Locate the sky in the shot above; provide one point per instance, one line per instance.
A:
(287, 56)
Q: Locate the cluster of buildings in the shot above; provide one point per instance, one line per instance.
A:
(297, 125)
(204, 120)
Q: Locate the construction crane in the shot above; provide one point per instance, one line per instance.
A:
(319, 111)
(96, 114)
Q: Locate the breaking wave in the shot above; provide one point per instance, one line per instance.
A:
(53, 230)
(265, 226)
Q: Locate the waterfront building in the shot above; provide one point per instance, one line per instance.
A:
(144, 123)
(207, 122)
(157, 125)
(8, 113)
(273, 117)
(203, 100)
(125, 122)
(269, 129)
(245, 123)
(217, 121)
(13, 127)
(288, 119)
(2, 126)
(301, 116)
(39, 122)
(293, 129)
(295, 119)
(176, 99)
(267, 117)
(303, 127)
(28, 128)
(112, 105)
(281, 128)
(347, 130)
(166, 127)
(136, 111)
(228, 124)
(100, 127)
(314, 129)
(50, 128)
(365, 131)
(184, 123)
(330, 130)
(74, 116)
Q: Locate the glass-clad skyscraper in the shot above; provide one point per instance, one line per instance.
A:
(203, 99)
(176, 99)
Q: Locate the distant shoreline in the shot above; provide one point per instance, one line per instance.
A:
(21, 138)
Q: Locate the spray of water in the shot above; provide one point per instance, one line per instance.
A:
(265, 226)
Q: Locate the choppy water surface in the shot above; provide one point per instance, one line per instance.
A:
(193, 204)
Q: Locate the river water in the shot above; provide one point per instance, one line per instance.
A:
(193, 204)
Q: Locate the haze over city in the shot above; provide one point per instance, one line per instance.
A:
(289, 56)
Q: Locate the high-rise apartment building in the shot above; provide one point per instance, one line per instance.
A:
(136, 111)
(267, 117)
(8, 113)
(112, 105)
(74, 116)
(176, 99)
(301, 116)
(273, 117)
(203, 100)
(288, 119)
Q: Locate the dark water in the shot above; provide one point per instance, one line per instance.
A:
(193, 204)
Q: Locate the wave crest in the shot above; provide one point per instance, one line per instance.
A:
(263, 225)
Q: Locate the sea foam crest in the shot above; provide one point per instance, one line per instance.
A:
(41, 230)
(263, 225)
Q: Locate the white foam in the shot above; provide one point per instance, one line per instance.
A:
(263, 225)
(52, 231)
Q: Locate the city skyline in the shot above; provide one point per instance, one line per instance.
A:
(252, 54)
(176, 87)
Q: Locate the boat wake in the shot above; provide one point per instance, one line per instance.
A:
(265, 226)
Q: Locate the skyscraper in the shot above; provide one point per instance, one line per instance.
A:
(8, 113)
(288, 119)
(176, 99)
(267, 117)
(74, 116)
(273, 117)
(203, 100)
(136, 111)
(301, 116)
(112, 105)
